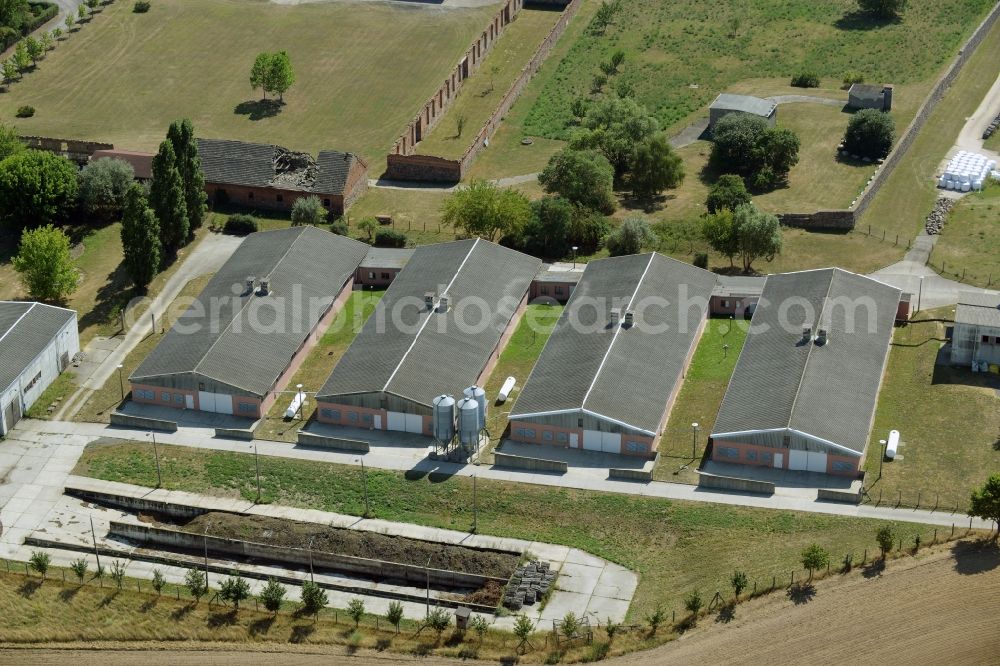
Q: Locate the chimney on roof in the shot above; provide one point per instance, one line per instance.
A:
(615, 315)
(251, 284)
(443, 304)
(629, 319)
(429, 300)
(807, 333)
(265, 288)
(821, 337)
(887, 97)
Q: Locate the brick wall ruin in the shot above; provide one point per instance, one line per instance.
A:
(76, 150)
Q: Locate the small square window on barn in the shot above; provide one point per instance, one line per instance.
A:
(529, 433)
(842, 466)
(562, 437)
(729, 452)
(165, 397)
(547, 435)
(326, 202)
(386, 276)
(559, 290)
(635, 447)
(766, 457)
(178, 397)
(519, 432)
(248, 408)
(352, 417)
(279, 198)
(750, 455)
(366, 418)
(331, 414)
(250, 195)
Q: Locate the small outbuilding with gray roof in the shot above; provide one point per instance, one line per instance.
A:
(37, 342)
(610, 371)
(727, 103)
(805, 387)
(439, 329)
(977, 329)
(240, 340)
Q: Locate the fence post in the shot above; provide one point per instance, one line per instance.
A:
(918, 499)
(953, 529)
(935, 535)
(793, 580)
(883, 234)
(774, 581)
(755, 588)
(865, 558)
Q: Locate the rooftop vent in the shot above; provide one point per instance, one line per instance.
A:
(629, 318)
(821, 337)
(443, 304)
(265, 288)
(251, 284)
(429, 300)
(615, 315)
(807, 333)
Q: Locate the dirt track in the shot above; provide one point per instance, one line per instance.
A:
(938, 609)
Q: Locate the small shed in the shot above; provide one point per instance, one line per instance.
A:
(727, 103)
(868, 96)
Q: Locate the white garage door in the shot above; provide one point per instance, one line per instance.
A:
(414, 423)
(609, 442)
(395, 421)
(220, 403)
(808, 461)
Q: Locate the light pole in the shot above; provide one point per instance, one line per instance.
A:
(575, 248)
(475, 506)
(725, 351)
(881, 460)
(427, 570)
(311, 579)
(364, 479)
(694, 441)
(302, 400)
(156, 454)
(121, 382)
(256, 460)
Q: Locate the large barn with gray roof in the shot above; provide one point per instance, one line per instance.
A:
(611, 369)
(37, 342)
(439, 329)
(805, 387)
(233, 348)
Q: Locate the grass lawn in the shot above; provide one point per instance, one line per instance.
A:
(909, 193)
(104, 401)
(699, 399)
(681, 55)
(104, 288)
(948, 419)
(993, 143)
(674, 546)
(482, 92)
(362, 70)
(516, 361)
(319, 364)
(969, 247)
(61, 388)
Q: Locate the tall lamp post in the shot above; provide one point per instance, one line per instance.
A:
(121, 382)
(302, 400)
(881, 460)
(156, 454)
(575, 248)
(364, 479)
(256, 460)
(694, 441)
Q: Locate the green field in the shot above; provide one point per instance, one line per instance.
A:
(319, 364)
(482, 91)
(362, 70)
(948, 419)
(699, 399)
(969, 247)
(674, 546)
(681, 55)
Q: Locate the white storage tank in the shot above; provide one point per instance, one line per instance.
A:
(892, 444)
(479, 395)
(505, 390)
(468, 421)
(293, 407)
(443, 421)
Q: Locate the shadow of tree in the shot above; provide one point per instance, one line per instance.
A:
(67, 594)
(108, 598)
(801, 593)
(873, 569)
(977, 557)
(258, 109)
(180, 613)
(148, 605)
(29, 587)
(726, 614)
(111, 298)
(383, 644)
(261, 626)
(301, 633)
(859, 20)
(222, 619)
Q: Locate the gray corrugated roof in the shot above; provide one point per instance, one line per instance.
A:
(978, 309)
(550, 273)
(739, 285)
(745, 104)
(622, 374)
(253, 338)
(426, 354)
(387, 257)
(26, 329)
(252, 165)
(829, 391)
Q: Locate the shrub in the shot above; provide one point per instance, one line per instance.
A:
(240, 224)
(339, 227)
(701, 260)
(805, 80)
(103, 185)
(390, 238)
(883, 9)
(852, 77)
(597, 84)
(870, 133)
(40, 562)
(630, 237)
(141, 7)
(308, 210)
(729, 192)
(25, 111)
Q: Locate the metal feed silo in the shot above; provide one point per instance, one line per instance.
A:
(468, 422)
(479, 395)
(444, 418)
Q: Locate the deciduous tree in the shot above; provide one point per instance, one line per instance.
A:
(36, 188)
(870, 133)
(141, 246)
(655, 167)
(10, 144)
(394, 614)
(196, 583)
(235, 589)
(313, 598)
(356, 610)
(45, 265)
(693, 603)
(483, 209)
(814, 557)
(729, 192)
(280, 76)
(308, 210)
(584, 177)
(615, 126)
(885, 537)
(985, 502)
(630, 237)
(272, 595)
(546, 234)
(103, 185)
(883, 9)
(758, 235)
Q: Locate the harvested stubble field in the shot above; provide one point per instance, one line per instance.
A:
(362, 70)
(353, 543)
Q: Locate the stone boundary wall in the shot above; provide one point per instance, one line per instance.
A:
(324, 442)
(529, 464)
(77, 150)
(830, 495)
(630, 475)
(404, 165)
(149, 535)
(130, 421)
(234, 433)
(134, 504)
(435, 106)
(847, 219)
(717, 482)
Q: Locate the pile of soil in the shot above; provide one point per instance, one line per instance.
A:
(354, 543)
